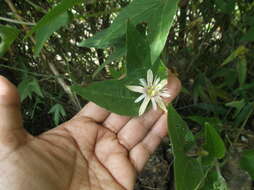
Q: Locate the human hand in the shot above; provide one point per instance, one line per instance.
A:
(95, 150)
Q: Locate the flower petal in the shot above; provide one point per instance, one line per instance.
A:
(143, 82)
(139, 89)
(162, 84)
(143, 106)
(149, 77)
(165, 94)
(140, 98)
(161, 104)
(156, 81)
(154, 104)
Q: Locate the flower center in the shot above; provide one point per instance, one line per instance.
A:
(151, 91)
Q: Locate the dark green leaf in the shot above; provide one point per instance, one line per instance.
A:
(241, 50)
(244, 115)
(188, 170)
(217, 109)
(249, 36)
(215, 121)
(247, 162)
(238, 105)
(225, 6)
(58, 112)
(7, 36)
(138, 51)
(242, 71)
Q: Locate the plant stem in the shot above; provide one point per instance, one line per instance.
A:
(17, 21)
(38, 8)
(29, 72)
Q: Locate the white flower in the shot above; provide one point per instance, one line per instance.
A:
(152, 90)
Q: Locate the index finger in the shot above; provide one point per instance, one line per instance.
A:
(93, 111)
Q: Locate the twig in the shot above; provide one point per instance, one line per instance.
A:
(36, 6)
(29, 72)
(52, 67)
(16, 21)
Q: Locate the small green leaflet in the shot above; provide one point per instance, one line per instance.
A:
(58, 112)
(28, 87)
(188, 170)
(7, 36)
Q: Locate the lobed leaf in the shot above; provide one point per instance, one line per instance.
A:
(157, 14)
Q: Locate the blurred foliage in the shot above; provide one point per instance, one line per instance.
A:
(210, 47)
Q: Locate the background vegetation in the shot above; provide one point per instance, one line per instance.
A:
(210, 46)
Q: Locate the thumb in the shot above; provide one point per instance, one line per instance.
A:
(11, 132)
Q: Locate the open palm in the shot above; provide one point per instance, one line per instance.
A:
(95, 150)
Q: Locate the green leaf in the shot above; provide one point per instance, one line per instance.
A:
(138, 51)
(249, 36)
(215, 108)
(215, 121)
(244, 115)
(110, 94)
(58, 112)
(247, 162)
(43, 33)
(117, 73)
(238, 105)
(28, 87)
(214, 145)
(137, 11)
(160, 24)
(242, 71)
(241, 50)
(188, 170)
(7, 36)
(225, 6)
(51, 22)
(157, 13)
